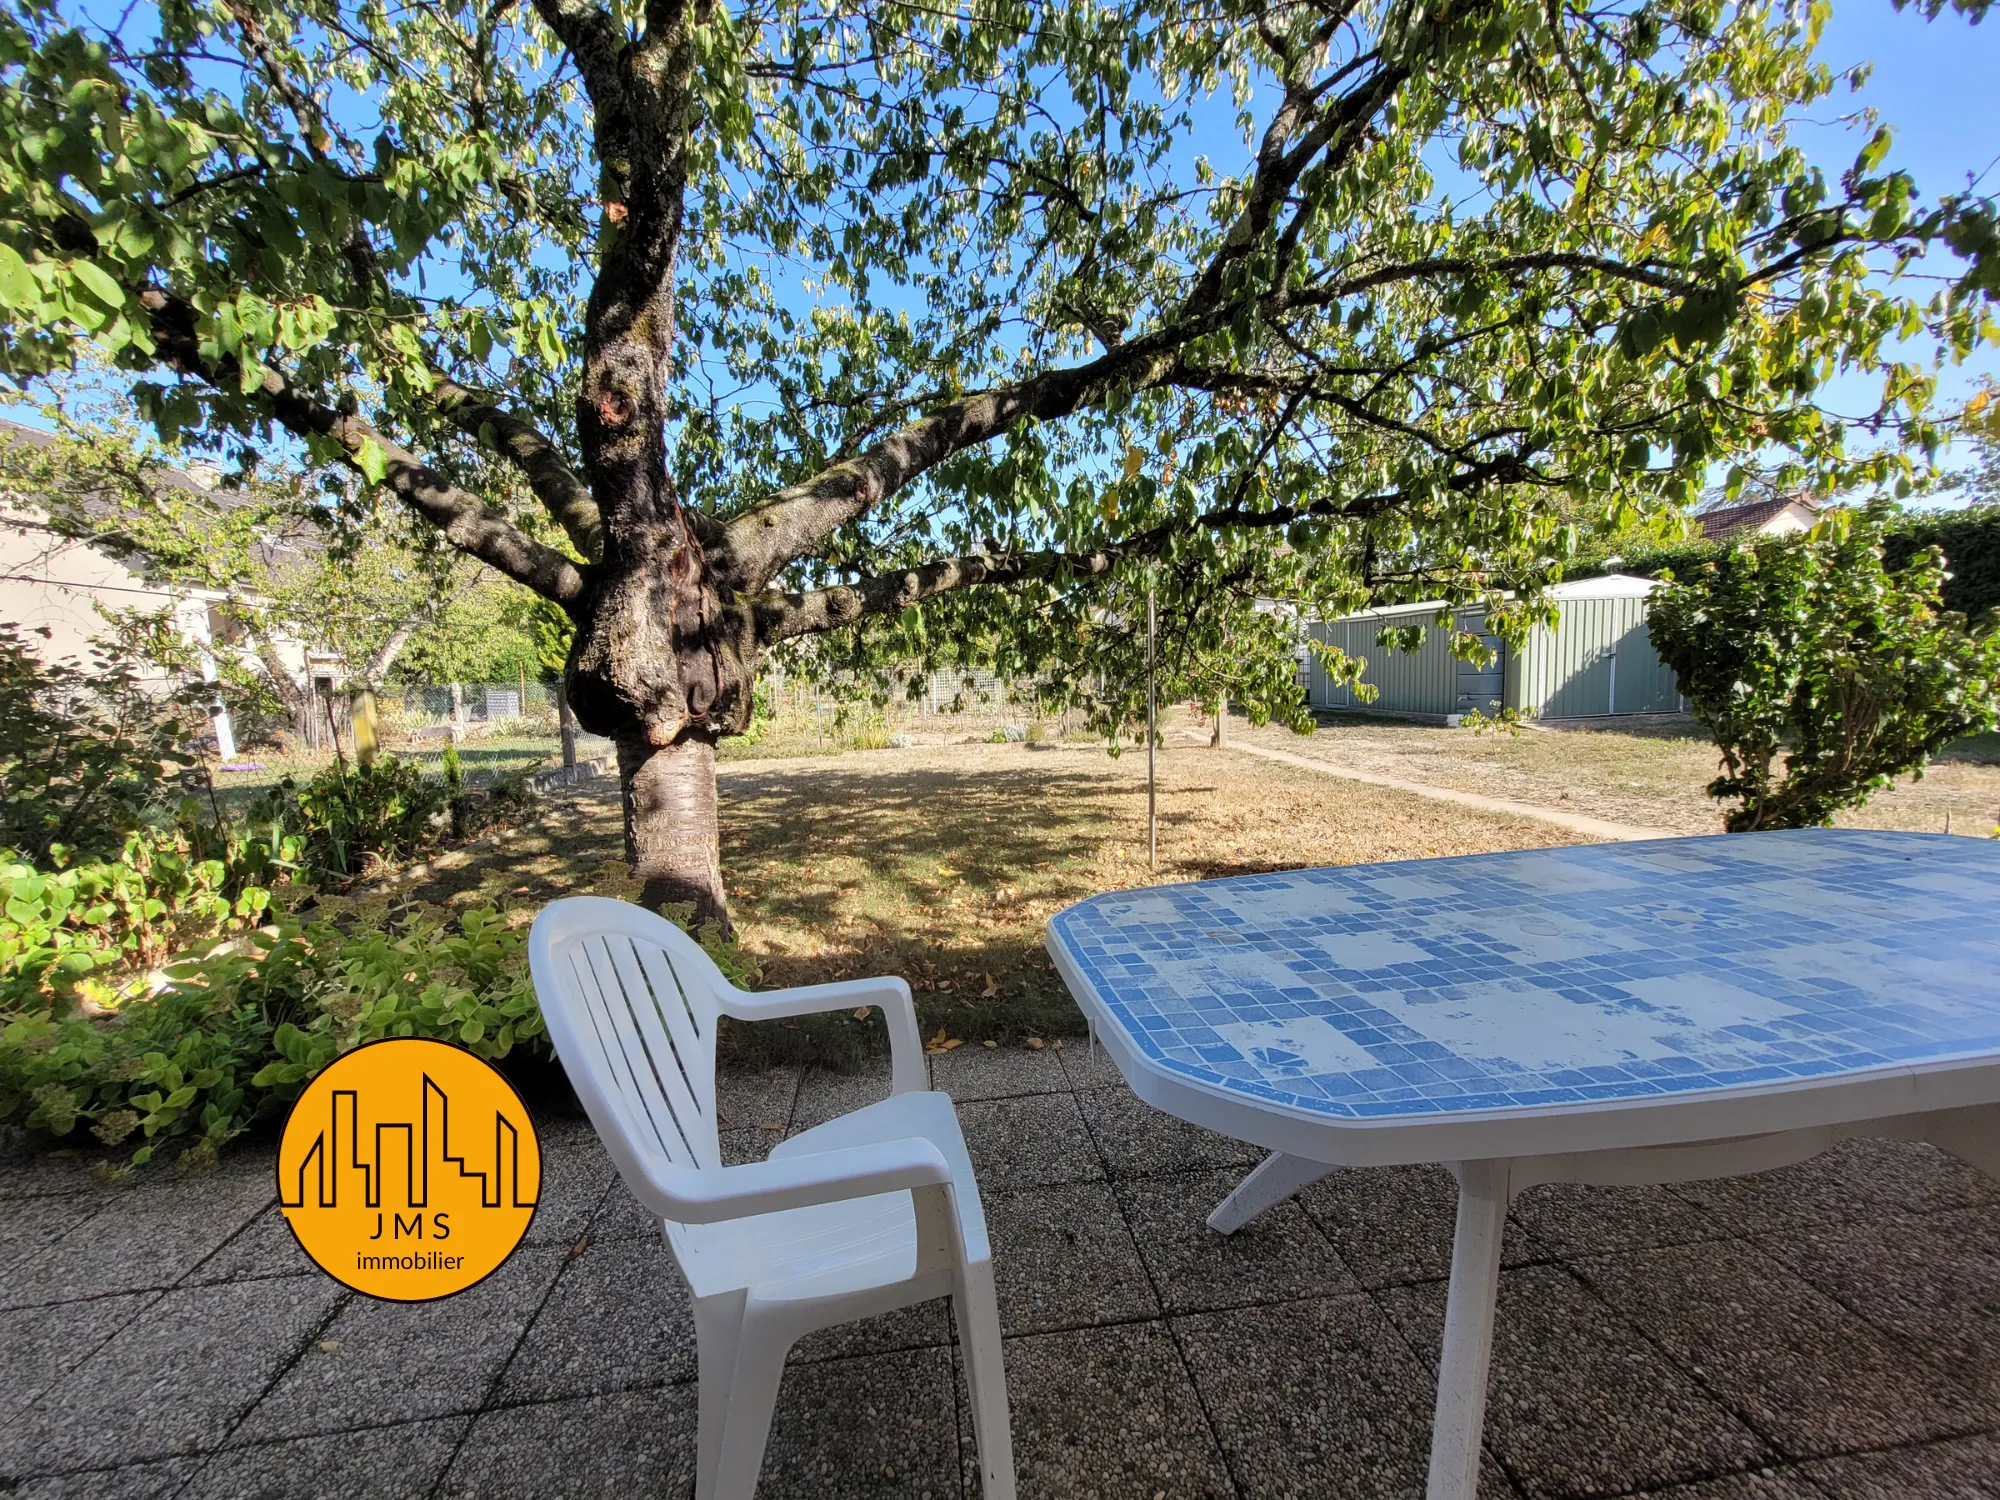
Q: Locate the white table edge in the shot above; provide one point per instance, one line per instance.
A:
(1494, 1154)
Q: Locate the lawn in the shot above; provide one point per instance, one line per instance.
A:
(1649, 772)
(943, 863)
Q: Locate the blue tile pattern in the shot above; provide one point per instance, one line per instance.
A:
(1552, 977)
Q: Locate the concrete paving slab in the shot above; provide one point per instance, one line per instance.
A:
(1855, 1180)
(1768, 1484)
(383, 1361)
(173, 1381)
(403, 1462)
(616, 1319)
(1140, 1141)
(40, 1345)
(265, 1246)
(880, 1425)
(33, 1168)
(1315, 1398)
(1108, 1413)
(921, 1325)
(28, 1226)
(576, 1172)
(1281, 1255)
(1579, 1403)
(154, 1481)
(1566, 1219)
(1063, 1258)
(1964, 1469)
(755, 1100)
(998, 1073)
(827, 1093)
(1035, 1141)
(1393, 1225)
(1931, 1278)
(1807, 1373)
(1087, 1067)
(147, 1237)
(615, 1447)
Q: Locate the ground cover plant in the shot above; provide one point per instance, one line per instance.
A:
(929, 335)
(171, 975)
(1813, 648)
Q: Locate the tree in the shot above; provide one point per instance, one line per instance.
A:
(350, 578)
(1811, 646)
(906, 327)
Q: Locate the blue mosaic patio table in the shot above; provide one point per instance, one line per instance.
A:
(1642, 1012)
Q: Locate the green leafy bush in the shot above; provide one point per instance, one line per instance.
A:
(238, 1033)
(87, 751)
(348, 819)
(1812, 646)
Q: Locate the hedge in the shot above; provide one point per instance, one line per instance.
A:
(1969, 539)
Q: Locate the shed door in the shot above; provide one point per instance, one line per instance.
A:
(1583, 653)
(1481, 687)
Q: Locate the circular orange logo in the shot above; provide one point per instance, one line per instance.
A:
(409, 1169)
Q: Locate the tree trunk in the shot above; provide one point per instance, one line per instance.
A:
(671, 835)
(565, 725)
(1218, 738)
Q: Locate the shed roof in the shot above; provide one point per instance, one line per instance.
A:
(1607, 586)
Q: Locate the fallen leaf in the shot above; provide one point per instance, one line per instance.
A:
(863, 1012)
(954, 1042)
(938, 1040)
(989, 1044)
(1034, 1044)
(991, 989)
(328, 1346)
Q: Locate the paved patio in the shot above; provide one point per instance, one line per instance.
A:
(1830, 1330)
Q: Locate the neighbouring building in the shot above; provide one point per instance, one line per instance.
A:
(59, 591)
(1595, 661)
(1775, 517)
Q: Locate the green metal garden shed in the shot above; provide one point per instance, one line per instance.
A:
(1595, 661)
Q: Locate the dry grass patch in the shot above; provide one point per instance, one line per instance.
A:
(1645, 772)
(944, 864)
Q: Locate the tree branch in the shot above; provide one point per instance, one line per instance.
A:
(470, 524)
(566, 497)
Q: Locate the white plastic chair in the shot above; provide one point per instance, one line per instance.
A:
(853, 1218)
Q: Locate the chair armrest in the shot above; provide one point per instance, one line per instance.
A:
(690, 1195)
(906, 1044)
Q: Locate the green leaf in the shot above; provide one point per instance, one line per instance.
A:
(372, 461)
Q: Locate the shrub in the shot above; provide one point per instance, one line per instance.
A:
(237, 1034)
(65, 932)
(86, 751)
(1812, 643)
(348, 818)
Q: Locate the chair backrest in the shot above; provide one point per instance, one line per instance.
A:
(631, 1003)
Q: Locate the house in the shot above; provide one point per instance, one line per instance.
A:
(1596, 660)
(1773, 517)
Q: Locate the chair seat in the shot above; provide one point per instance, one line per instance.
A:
(832, 1249)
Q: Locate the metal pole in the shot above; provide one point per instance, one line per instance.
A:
(1152, 744)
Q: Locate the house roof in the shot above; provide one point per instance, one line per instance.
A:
(1755, 516)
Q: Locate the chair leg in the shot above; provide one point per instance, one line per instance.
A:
(978, 1312)
(753, 1396)
(718, 1337)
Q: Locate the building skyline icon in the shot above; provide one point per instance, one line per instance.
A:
(403, 1155)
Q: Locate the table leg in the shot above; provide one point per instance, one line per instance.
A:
(1270, 1183)
(1483, 1193)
